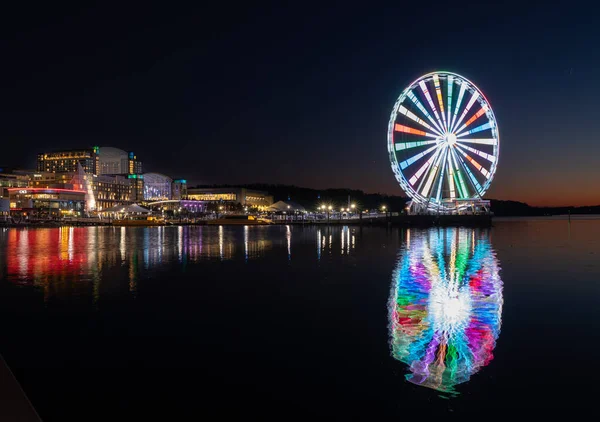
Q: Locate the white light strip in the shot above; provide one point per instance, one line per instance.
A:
(432, 173)
(407, 145)
(434, 159)
(420, 106)
(461, 93)
(462, 186)
(473, 118)
(488, 125)
(487, 156)
(417, 157)
(450, 176)
(450, 85)
(420, 172)
(471, 175)
(467, 108)
(414, 118)
(483, 141)
(430, 101)
(438, 92)
(475, 164)
(440, 179)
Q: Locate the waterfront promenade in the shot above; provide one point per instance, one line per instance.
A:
(371, 220)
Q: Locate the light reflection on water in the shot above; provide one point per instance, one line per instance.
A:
(445, 306)
(60, 259)
(254, 312)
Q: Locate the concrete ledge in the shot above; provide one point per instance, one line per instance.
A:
(14, 404)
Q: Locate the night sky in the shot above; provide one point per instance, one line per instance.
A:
(301, 95)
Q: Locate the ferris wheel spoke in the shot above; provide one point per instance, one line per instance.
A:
(408, 145)
(468, 107)
(461, 94)
(450, 86)
(450, 176)
(488, 125)
(433, 159)
(433, 171)
(460, 181)
(475, 164)
(406, 129)
(440, 179)
(423, 168)
(485, 155)
(421, 107)
(482, 141)
(417, 157)
(431, 104)
(473, 118)
(472, 178)
(403, 110)
(438, 92)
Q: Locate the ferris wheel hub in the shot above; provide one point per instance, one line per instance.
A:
(450, 139)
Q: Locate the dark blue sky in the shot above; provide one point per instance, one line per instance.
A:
(298, 94)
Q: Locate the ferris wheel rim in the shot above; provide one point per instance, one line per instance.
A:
(438, 129)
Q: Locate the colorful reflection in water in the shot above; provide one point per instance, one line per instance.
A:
(76, 262)
(445, 306)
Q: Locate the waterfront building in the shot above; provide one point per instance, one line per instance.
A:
(4, 208)
(179, 189)
(110, 191)
(246, 197)
(101, 191)
(115, 161)
(159, 187)
(10, 179)
(46, 202)
(69, 161)
(137, 187)
(110, 176)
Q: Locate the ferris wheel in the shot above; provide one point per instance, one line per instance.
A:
(443, 142)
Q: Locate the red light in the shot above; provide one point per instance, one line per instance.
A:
(45, 189)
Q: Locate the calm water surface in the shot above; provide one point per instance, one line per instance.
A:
(282, 322)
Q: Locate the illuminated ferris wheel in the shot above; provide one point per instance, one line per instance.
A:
(443, 142)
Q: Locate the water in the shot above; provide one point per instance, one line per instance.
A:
(281, 322)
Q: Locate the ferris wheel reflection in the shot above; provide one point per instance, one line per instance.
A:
(445, 306)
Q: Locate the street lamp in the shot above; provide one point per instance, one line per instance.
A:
(384, 209)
